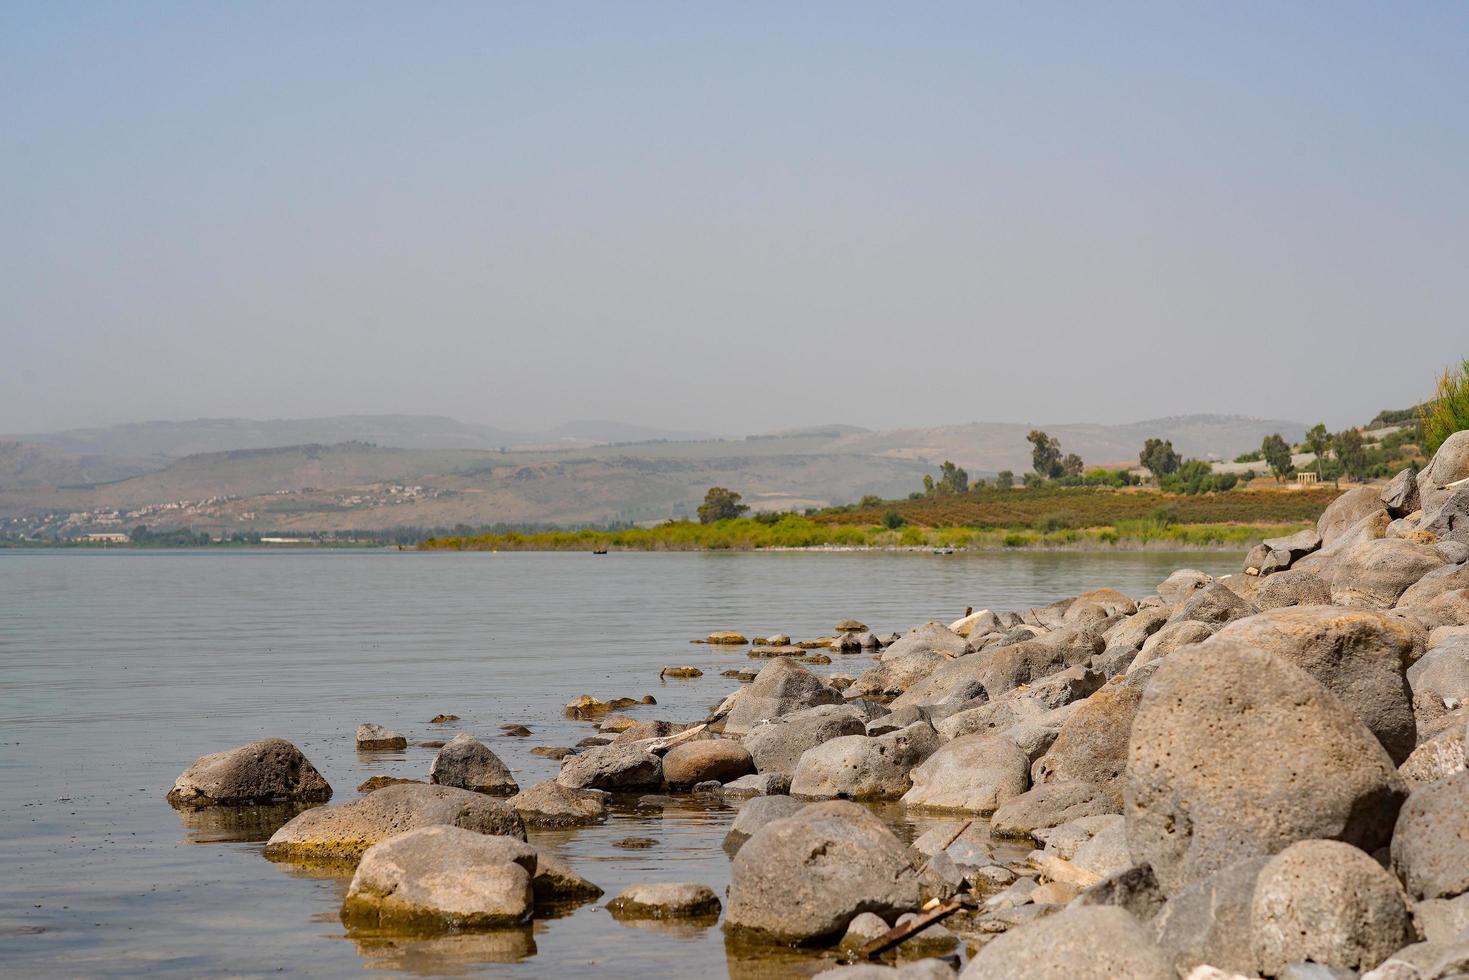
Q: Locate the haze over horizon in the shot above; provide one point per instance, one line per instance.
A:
(731, 219)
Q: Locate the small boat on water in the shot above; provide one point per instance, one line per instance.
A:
(943, 551)
(599, 551)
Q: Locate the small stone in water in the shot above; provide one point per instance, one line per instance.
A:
(442, 719)
(635, 843)
(557, 752)
(515, 731)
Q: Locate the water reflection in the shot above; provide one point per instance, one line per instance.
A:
(454, 954)
(237, 824)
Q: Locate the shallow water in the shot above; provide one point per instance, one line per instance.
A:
(120, 668)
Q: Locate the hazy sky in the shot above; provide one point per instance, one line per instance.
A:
(732, 216)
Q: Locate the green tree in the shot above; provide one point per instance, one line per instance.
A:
(1277, 456)
(1158, 458)
(1318, 441)
(1045, 455)
(928, 485)
(892, 520)
(1351, 453)
(720, 504)
(952, 479)
(1072, 465)
(1005, 479)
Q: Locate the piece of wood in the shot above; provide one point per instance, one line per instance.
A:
(931, 914)
(947, 844)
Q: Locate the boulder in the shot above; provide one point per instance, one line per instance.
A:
(1430, 845)
(665, 900)
(1092, 745)
(974, 774)
(1132, 632)
(1442, 920)
(1049, 805)
(957, 680)
(803, 878)
(556, 882)
(1359, 655)
(756, 784)
(1209, 920)
(1400, 496)
(1006, 668)
(1133, 889)
(1450, 464)
(992, 717)
(270, 770)
(1180, 585)
(612, 768)
(896, 674)
(1292, 588)
(1285, 551)
(372, 737)
(756, 814)
(442, 877)
(1174, 636)
(1434, 759)
(1329, 903)
(1106, 853)
(340, 834)
(1113, 602)
(781, 687)
(1447, 518)
(1063, 687)
(1083, 943)
(644, 730)
(1236, 753)
(929, 638)
(1214, 604)
(695, 762)
(858, 767)
(975, 624)
(550, 804)
(777, 745)
(1346, 510)
(467, 763)
(1443, 671)
(1375, 574)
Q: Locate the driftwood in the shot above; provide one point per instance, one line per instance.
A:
(934, 911)
(657, 746)
(947, 844)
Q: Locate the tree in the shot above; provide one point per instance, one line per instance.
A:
(720, 504)
(1005, 479)
(1351, 453)
(892, 520)
(1448, 411)
(1072, 465)
(1158, 458)
(1045, 457)
(1318, 441)
(928, 485)
(1277, 456)
(952, 479)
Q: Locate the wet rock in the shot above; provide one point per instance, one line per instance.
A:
(1327, 902)
(442, 877)
(271, 770)
(372, 783)
(777, 745)
(584, 707)
(551, 804)
(1209, 920)
(859, 767)
(694, 762)
(341, 833)
(850, 626)
(680, 672)
(756, 814)
(442, 719)
(515, 731)
(1430, 845)
(1374, 574)
(1092, 744)
(556, 882)
(557, 752)
(803, 878)
(665, 900)
(1360, 656)
(1048, 805)
(469, 764)
(756, 784)
(635, 843)
(1236, 753)
(1292, 588)
(779, 689)
(372, 737)
(726, 638)
(612, 768)
(1083, 943)
(974, 774)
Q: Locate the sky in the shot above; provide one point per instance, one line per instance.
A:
(731, 217)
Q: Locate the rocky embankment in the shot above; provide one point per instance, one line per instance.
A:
(1260, 775)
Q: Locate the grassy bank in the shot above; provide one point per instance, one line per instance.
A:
(745, 534)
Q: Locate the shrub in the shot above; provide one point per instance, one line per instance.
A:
(1048, 523)
(892, 520)
(1448, 411)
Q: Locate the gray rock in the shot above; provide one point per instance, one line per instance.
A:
(340, 834)
(1434, 760)
(1295, 546)
(1443, 670)
(930, 637)
(1133, 889)
(1447, 518)
(990, 718)
(372, 737)
(803, 878)
(612, 768)
(1083, 943)
(1345, 511)
(1358, 655)
(550, 804)
(858, 767)
(665, 900)
(758, 784)
(781, 687)
(556, 882)
(777, 745)
(1092, 745)
(860, 931)
(1430, 845)
(1442, 920)
(756, 814)
(1400, 496)
(896, 674)
(1214, 604)
(442, 877)
(974, 774)
(271, 770)
(1208, 922)
(720, 760)
(1179, 586)
(1049, 805)
(1236, 753)
(1063, 687)
(467, 763)
(1292, 588)
(1174, 636)
(1106, 853)
(1450, 464)
(1327, 902)
(1132, 632)
(1375, 574)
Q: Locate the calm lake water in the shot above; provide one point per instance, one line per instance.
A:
(120, 668)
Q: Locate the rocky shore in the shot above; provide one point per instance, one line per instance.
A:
(1257, 775)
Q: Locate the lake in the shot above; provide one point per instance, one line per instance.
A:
(121, 667)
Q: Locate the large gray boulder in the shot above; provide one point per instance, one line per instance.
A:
(1346, 510)
(1430, 845)
(1237, 753)
(1400, 496)
(1006, 668)
(896, 674)
(550, 804)
(755, 814)
(781, 687)
(1214, 605)
(468, 763)
(721, 760)
(1292, 588)
(776, 745)
(340, 834)
(1449, 578)
(1083, 943)
(1092, 744)
(1447, 517)
(1208, 922)
(1375, 574)
(991, 717)
(801, 879)
(1450, 464)
(612, 768)
(974, 774)
(1174, 636)
(442, 877)
(928, 638)
(1359, 655)
(1180, 585)
(1049, 805)
(1329, 903)
(858, 767)
(270, 770)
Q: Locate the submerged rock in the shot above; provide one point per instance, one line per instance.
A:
(681, 900)
(551, 804)
(372, 737)
(271, 770)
